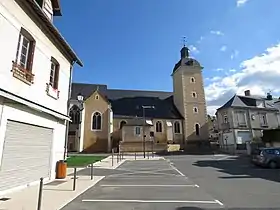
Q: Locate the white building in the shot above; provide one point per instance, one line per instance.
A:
(35, 77)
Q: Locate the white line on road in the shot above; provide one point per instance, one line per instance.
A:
(219, 202)
(135, 185)
(176, 169)
(153, 201)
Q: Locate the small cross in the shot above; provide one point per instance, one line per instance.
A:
(184, 41)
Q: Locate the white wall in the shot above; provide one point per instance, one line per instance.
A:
(12, 18)
(22, 114)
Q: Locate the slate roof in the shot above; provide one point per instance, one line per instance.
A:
(129, 102)
(247, 101)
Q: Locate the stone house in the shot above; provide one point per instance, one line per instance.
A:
(243, 118)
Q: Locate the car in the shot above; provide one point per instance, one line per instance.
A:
(266, 157)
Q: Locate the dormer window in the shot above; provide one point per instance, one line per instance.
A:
(47, 8)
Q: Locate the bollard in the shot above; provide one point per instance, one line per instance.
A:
(112, 157)
(40, 194)
(75, 178)
(135, 156)
(91, 171)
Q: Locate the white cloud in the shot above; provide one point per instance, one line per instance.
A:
(193, 49)
(218, 33)
(259, 74)
(234, 54)
(223, 48)
(239, 3)
(219, 69)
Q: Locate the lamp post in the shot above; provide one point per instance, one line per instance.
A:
(144, 123)
(80, 99)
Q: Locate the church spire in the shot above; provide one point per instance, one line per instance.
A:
(184, 50)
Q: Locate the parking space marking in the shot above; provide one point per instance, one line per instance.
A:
(135, 185)
(176, 169)
(143, 172)
(219, 202)
(155, 201)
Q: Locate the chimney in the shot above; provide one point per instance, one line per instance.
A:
(247, 93)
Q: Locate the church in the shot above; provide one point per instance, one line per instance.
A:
(104, 118)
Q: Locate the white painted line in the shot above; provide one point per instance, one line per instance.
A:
(219, 202)
(147, 176)
(152, 201)
(135, 185)
(177, 170)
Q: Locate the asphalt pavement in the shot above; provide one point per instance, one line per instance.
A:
(144, 185)
(233, 180)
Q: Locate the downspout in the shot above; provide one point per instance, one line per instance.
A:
(68, 111)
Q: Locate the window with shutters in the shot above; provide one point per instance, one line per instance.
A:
(96, 121)
(22, 66)
(52, 85)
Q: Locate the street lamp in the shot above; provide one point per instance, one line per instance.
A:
(144, 123)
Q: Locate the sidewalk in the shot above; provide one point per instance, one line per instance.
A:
(58, 193)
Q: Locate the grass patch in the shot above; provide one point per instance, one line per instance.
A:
(73, 161)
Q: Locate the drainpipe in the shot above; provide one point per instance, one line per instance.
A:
(68, 111)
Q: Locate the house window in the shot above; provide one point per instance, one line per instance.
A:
(96, 121)
(195, 110)
(192, 80)
(158, 127)
(25, 50)
(194, 95)
(197, 129)
(54, 73)
(225, 119)
(122, 124)
(177, 128)
(241, 118)
(75, 115)
(137, 131)
(22, 66)
(263, 120)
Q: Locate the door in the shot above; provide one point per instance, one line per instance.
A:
(26, 154)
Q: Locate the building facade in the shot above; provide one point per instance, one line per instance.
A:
(36, 69)
(108, 116)
(243, 118)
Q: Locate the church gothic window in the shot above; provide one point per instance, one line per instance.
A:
(158, 127)
(96, 121)
(197, 129)
(177, 128)
(75, 115)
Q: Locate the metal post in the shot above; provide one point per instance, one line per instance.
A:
(153, 149)
(144, 143)
(40, 194)
(135, 155)
(75, 178)
(112, 157)
(91, 171)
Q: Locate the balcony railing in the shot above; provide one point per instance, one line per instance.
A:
(22, 74)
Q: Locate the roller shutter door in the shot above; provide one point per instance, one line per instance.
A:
(26, 154)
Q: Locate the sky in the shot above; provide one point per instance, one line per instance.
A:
(135, 44)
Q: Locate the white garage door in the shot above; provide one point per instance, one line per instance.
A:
(243, 137)
(26, 154)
